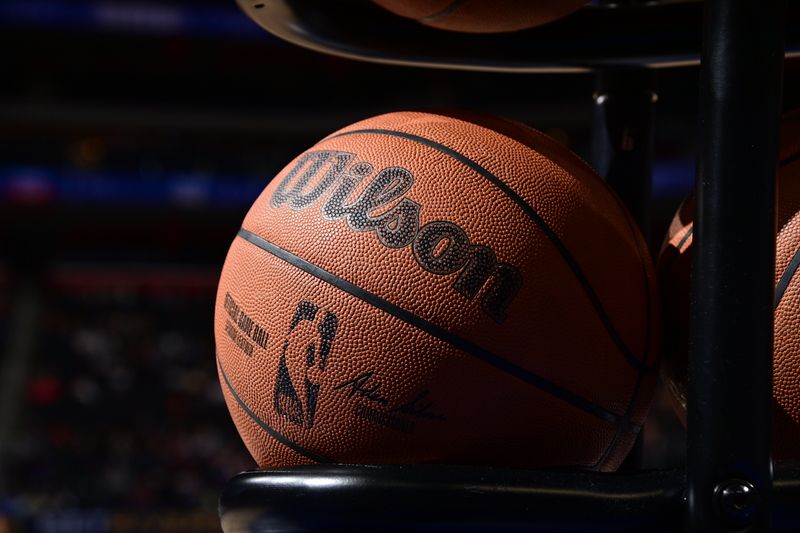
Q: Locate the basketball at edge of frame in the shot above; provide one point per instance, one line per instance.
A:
(482, 16)
(674, 272)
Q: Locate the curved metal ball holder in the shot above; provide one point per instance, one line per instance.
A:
(729, 483)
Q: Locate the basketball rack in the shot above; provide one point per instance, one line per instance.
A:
(729, 483)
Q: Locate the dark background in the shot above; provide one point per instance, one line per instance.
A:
(133, 138)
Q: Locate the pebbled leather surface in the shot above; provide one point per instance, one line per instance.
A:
(417, 371)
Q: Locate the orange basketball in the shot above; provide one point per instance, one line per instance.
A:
(421, 288)
(482, 16)
(674, 269)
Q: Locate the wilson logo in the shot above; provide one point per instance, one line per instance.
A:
(439, 247)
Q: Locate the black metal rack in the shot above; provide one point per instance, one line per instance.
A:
(471, 499)
(728, 486)
(645, 33)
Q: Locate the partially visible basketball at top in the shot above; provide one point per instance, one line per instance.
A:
(674, 270)
(482, 16)
(429, 288)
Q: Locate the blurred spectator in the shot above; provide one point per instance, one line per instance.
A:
(123, 409)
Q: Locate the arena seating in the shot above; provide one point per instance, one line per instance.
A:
(123, 394)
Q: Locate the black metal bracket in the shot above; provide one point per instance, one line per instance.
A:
(656, 35)
(622, 135)
(394, 498)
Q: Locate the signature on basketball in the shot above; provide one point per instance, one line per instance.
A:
(420, 408)
(363, 386)
(360, 387)
(439, 247)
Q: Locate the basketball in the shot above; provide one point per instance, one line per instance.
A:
(482, 16)
(674, 270)
(425, 288)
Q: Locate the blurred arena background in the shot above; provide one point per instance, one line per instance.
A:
(133, 138)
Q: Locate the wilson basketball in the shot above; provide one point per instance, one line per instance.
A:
(674, 268)
(482, 16)
(420, 288)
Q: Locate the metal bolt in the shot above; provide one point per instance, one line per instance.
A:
(736, 501)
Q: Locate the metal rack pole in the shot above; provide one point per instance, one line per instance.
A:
(622, 152)
(622, 136)
(730, 360)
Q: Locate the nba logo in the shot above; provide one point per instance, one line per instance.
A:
(309, 339)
